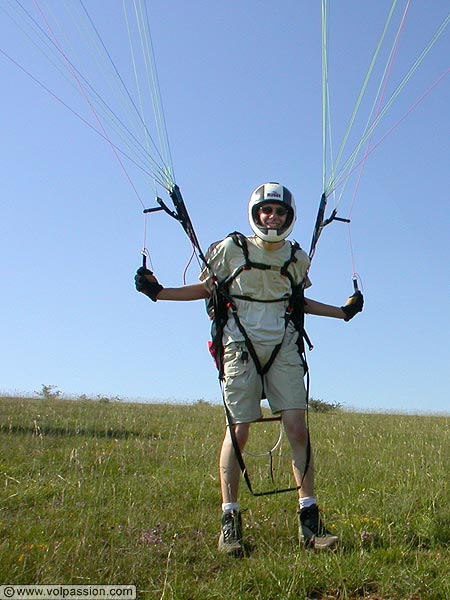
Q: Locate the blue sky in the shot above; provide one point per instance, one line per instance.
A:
(241, 89)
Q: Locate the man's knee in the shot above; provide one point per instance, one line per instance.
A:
(241, 432)
(296, 431)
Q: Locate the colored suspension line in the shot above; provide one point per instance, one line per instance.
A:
(343, 174)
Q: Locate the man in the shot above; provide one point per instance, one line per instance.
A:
(259, 354)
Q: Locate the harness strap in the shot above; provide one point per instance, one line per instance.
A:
(261, 370)
(242, 297)
(241, 241)
(222, 289)
(242, 466)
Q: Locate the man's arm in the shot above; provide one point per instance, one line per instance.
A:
(353, 306)
(147, 284)
(196, 291)
(312, 307)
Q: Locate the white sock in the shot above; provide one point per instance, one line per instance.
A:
(306, 502)
(230, 506)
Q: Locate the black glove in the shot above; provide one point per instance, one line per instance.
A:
(353, 305)
(150, 288)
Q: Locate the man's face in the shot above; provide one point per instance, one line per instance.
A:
(272, 216)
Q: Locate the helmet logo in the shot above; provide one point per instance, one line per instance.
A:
(273, 195)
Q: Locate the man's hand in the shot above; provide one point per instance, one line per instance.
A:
(353, 305)
(147, 284)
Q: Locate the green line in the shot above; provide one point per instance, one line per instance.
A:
(329, 187)
(325, 91)
(341, 175)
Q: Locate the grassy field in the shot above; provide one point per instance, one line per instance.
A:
(109, 492)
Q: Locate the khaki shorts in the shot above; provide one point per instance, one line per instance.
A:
(284, 385)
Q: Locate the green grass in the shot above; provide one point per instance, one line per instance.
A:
(98, 492)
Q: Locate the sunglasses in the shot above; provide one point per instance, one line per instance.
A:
(280, 211)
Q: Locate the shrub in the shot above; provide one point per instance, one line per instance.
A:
(322, 406)
(49, 392)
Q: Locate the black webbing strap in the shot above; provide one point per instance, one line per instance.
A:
(241, 241)
(240, 459)
(223, 290)
(261, 370)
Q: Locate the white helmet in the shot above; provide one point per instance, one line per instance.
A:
(271, 193)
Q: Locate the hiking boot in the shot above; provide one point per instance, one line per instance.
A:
(312, 532)
(230, 540)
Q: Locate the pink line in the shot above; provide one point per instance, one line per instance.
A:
(83, 91)
(379, 105)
